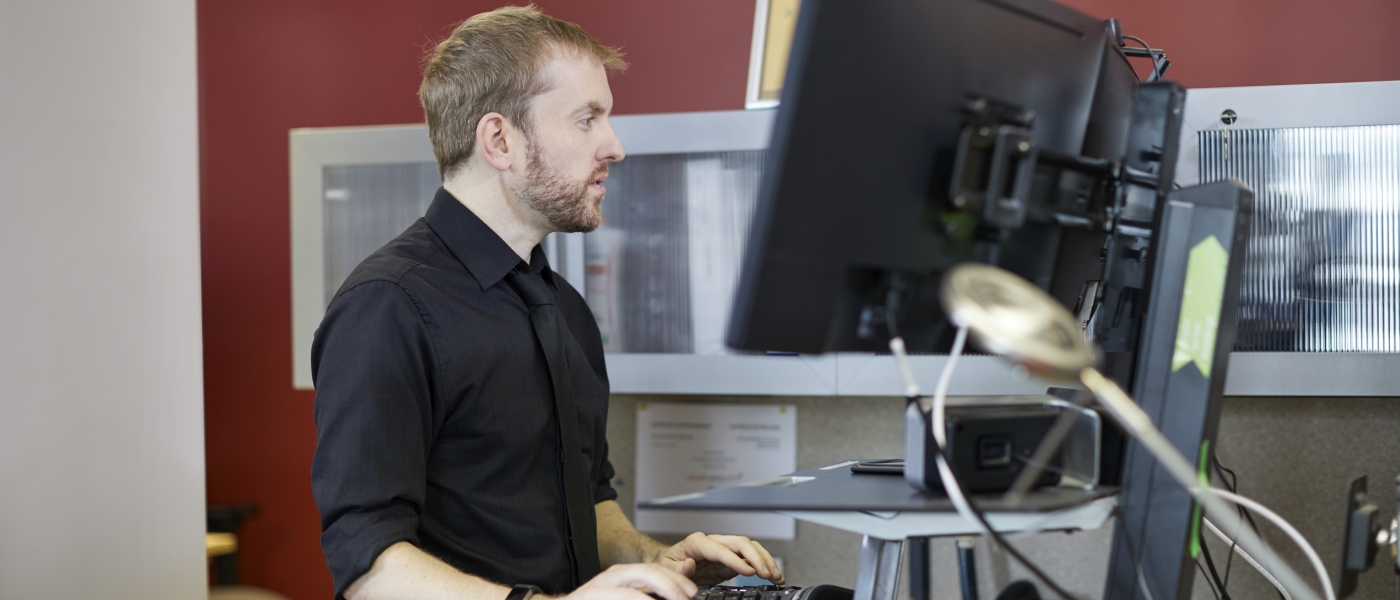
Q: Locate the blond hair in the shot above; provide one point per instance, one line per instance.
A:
(491, 63)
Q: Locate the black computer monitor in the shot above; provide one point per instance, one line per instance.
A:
(856, 194)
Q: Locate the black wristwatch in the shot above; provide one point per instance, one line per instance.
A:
(523, 591)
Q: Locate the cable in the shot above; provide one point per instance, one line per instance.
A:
(940, 391)
(1160, 64)
(1137, 39)
(1213, 576)
(951, 485)
(1232, 484)
(1249, 559)
(1139, 425)
(1213, 591)
(1288, 529)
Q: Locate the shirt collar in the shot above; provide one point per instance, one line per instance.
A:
(488, 257)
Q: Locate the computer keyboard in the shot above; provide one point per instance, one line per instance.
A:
(773, 592)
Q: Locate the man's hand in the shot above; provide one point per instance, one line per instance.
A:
(633, 581)
(710, 559)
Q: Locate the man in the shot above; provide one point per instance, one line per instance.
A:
(461, 394)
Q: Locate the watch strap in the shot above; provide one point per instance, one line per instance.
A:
(522, 591)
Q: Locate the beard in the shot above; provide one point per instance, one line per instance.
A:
(563, 203)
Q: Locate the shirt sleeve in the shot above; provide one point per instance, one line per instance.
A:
(603, 488)
(373, 364)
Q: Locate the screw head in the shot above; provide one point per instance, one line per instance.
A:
(1229, 117)
(1024, 146)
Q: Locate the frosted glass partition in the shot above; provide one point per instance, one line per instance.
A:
(366, 206)
(659, 274)
(662, 268)
(1322, 269)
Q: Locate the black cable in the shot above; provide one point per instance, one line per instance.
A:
(1232, 484)
(942, 457)
(1214, 575)
(1208, 581)
(1139, 40)
(891, 308)
(1157, 69)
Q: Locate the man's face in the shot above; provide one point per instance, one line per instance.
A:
(570, 146)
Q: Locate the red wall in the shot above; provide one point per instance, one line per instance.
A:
(267, 66)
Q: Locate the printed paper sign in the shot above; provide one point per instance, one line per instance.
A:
(687, 448)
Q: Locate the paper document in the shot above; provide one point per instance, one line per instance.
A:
(686, 448)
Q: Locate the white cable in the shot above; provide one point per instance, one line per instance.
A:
(950, 485)
(1249, 559)
(1287, 528)
(940, 391)
(945, 471)
(1136, 422)
(911, 385)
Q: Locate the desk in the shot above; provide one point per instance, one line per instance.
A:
(885, 510)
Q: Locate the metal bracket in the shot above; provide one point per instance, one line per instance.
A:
(995, 163)
(878, 575)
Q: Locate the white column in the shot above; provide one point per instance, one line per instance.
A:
(101, 381)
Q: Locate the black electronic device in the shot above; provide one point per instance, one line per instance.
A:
(988, 446)
(773, 592)
(915, 135)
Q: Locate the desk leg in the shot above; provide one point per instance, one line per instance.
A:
(878, 576)
(920, 580)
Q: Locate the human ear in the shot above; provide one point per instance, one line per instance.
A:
(492, 140)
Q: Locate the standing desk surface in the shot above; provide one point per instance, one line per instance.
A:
(886, 507)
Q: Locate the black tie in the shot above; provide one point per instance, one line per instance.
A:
(578, 494)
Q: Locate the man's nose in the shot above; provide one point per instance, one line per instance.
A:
(612, 150)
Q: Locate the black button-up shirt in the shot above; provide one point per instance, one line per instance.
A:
(434, 408)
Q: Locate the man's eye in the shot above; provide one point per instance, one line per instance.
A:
(587, 122)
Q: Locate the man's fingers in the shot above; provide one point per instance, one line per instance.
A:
(714, 548)
(776, 574)
(737, 553)
(664, 582)
(747, 548)
(684, 567)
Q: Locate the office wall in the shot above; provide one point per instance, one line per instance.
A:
(101, 386)
(270, 65)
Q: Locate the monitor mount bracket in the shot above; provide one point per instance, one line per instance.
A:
(996, 162)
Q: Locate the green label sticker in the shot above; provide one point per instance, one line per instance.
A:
(1200, 305)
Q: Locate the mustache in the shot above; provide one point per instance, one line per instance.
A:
(599, 172)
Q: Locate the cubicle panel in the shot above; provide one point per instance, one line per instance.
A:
(728, 375)
(861, 374)
(1320, 294)
(659, 273)
(359, 160)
